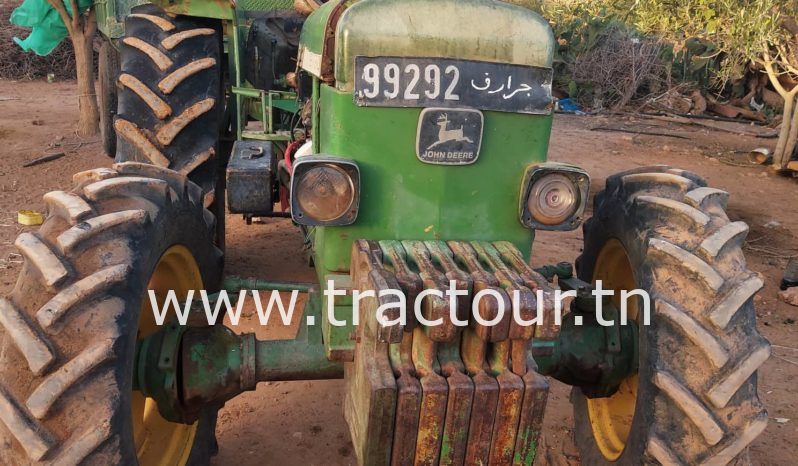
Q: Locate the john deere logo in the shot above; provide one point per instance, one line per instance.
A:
(449, 137)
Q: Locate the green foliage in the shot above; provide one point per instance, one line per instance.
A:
(708, 41)
(598, 56)
(698, 61)
(740, 30)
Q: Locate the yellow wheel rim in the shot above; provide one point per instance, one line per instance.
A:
(158, 441)
(611, 418)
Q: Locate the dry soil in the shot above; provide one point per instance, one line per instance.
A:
(300, 423)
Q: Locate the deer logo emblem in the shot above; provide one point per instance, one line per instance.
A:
(446, 135)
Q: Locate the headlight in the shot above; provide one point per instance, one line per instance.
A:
(325, 191)
(553, 196)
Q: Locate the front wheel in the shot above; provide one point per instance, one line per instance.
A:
(69, 330)
(694, 399)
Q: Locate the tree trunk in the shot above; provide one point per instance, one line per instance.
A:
(88, 123)
(780, 156)
(81, 28)
(792, 138)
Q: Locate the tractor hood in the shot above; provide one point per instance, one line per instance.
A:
(480, 30)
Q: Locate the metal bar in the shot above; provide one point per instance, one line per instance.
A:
(260, 136)
(281, 360)
(276, 215)
(304, 357)
(233, 283)
(314, 116)
(268, 127)
(237, 73)
(250, 92)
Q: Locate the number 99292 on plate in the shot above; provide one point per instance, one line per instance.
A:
(441, 82)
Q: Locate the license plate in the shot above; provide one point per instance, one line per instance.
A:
(447, 83)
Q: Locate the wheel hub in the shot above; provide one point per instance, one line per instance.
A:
(611, 417)
(158, 440)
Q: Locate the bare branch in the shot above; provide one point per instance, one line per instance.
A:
(58, 6)
(75, 15)
(771, 71)
(783, 61)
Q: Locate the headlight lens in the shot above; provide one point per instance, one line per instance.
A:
(554, 198)
(324, 191)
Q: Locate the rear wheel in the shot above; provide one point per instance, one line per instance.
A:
(69, 330)
(694, 398)
(171, 100)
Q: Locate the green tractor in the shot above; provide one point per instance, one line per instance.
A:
(407, 140)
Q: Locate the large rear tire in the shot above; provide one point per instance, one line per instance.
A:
(171, 99)
(69, 329)
(694, 399)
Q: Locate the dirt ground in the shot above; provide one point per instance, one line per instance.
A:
(300, 423)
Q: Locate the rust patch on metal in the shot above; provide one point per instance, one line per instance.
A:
(380, 279)
(545, 330)
(132, 134)
(371, 390)
(518, 357)
(162, 23)
(527, 310)
(395, 256)
(443, 258)
(434, 393)
(486, 397)
(433, 307)
(160, 108)
(536, 392)
(514, 285)
(170, 82)
(508, 410)
(458, 405)
(328, 49)
(197, 160)
(159, 58)
(408, 402)
(175, 39)
(368, 274)
(488, 306)
(167, 133)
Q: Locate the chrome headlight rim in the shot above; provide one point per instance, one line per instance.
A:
(578, 178)
(305, 164)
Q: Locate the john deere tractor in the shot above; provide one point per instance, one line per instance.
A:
(407, 141)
